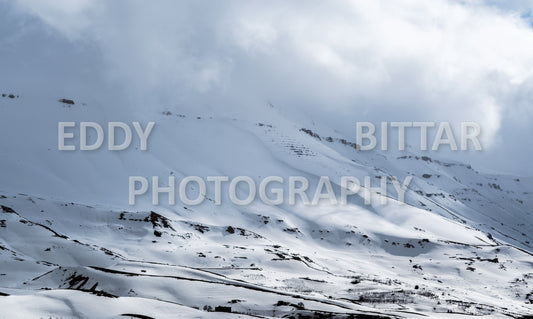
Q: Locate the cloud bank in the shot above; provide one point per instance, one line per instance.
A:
(338, 62)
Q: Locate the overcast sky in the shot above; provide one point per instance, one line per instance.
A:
(335, 62)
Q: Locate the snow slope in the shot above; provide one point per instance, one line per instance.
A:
(460, 245)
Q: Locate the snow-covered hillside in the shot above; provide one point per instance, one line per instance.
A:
(72, 247)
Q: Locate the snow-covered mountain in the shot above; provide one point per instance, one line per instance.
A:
(72, 247)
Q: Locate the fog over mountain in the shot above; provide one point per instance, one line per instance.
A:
(341, 62)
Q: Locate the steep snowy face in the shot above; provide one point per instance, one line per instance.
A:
(459, 242)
